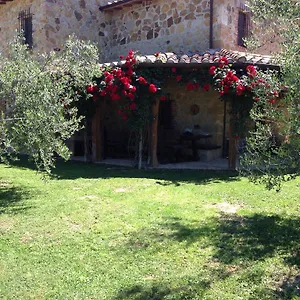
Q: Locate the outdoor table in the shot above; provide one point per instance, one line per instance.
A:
(193, 138)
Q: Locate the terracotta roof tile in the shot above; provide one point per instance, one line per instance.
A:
(210, 56)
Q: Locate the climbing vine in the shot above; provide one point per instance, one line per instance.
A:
(135, 89)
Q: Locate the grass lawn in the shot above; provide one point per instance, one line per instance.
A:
(95, 232)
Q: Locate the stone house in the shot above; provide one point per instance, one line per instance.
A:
(185, 27)
(149, 26)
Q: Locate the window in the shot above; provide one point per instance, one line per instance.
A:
(243, 27)
(25, 25)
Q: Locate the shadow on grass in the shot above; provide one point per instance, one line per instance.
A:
(236, 241)
(12, 198)
(245, 238)
(74, 170)
(190, 289)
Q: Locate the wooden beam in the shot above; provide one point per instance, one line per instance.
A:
(232, 151)
(154, 127)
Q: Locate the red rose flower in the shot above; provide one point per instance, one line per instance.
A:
(152, 88)
(235, 78)
(240, 89)
(95, 89)
(142, 80)
(115, 97)
(174, 70)
(196, 85)
(103, 93)
(119, 73)
(129, 73)
(178, 78)
(212, 70)
(272, 101)
(163, 98)
(156, 54)
(190, 86)
(127, 64)
(121, 57)
(125, 117)
(256, 99)
(124, 80)
(109, 78)
(89, 89)
(132, 106)
(206, 87)
(226, 89)
(132, 89)
(131, 96)
(223, 61)
(119, 112)
(127, 86)
(251, 70)
(275, 93)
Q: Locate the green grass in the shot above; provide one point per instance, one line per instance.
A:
(95, 232)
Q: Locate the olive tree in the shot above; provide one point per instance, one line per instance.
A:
(37, 96)
(273, 152)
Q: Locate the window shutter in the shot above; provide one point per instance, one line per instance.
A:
(242, 24)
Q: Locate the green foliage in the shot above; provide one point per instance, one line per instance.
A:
(274, 146)
(37, 97)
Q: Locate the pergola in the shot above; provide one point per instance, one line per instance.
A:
(187, 61)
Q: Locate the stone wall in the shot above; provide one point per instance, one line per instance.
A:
(226, 15)
(64, 17)
(9, 23)
(211, 111)
(158, 25)
(53, 21)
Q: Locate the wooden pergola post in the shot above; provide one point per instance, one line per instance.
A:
(154, 126)
(232, 151)
(97, 134)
